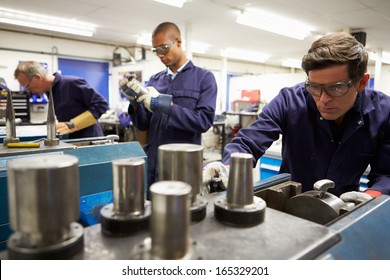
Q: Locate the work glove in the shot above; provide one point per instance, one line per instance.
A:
(355, 197)
(155, 101)
(79, 122)
(129, 87)
(212, 170)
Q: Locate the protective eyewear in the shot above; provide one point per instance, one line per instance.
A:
(28, 84)
(333, 90)
(163, 49)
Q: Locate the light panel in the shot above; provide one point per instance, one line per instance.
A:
(21, 18)
(175, 3)
(274, 24)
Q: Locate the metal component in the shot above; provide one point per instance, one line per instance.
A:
(112, 138)
(10, 122)
(23, 145)
(215, 241)
(130, 212)
(323, 185)
(361, 234)
(43, 197)
(240, 207)
(95, 172)
(169, 223)
(51, 139)
(184, 162)
(276, 196)
(318, 205)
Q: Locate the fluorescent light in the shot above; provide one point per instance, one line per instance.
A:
(292, 63)
(275, 24)
(175, 3)
(31, 20)
(244, 55)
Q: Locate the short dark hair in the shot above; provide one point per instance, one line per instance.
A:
(337, 49)
(167, 27)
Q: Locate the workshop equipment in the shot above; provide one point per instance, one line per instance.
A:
(43, 201)
(51, 139)
(184, 162)
(129, 212)
(9, 119)
(240, 207)
(361, 233)
(317, 205)
(170, 221)
(23, 145)
(95, 172)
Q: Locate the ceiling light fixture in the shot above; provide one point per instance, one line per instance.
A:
(31, 20)
(175, 3)
(244, 55)
(275, 24)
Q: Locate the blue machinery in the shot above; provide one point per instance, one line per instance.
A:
(359, 234)
(95, 173)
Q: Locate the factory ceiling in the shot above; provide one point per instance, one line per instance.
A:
(213, 22)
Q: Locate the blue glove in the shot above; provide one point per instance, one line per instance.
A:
(124, 119)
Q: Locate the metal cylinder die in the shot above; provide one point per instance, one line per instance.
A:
(10, 128)
(43, 193)
(129, 212)
(51, 139)
(170, 220)
(318, 205)
(184, 162)
(240, 207)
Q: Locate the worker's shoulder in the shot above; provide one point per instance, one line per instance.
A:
(376, 99)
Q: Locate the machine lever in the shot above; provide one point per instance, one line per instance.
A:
(323, 185)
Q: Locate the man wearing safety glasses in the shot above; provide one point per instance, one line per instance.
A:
(178, 104)
(332, 126)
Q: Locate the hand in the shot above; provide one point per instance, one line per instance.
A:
(212, 170)
(155, 101)
(147, 98)
(130, 89)
(356, 197)
(62, 128)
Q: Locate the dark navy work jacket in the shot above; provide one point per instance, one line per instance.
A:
(73, 96)
(309, 150)
(194, 92)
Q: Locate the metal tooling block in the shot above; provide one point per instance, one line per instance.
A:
(280, 236)
(95, 169)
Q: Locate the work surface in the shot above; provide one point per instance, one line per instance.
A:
(280, 236)
(361, 234)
